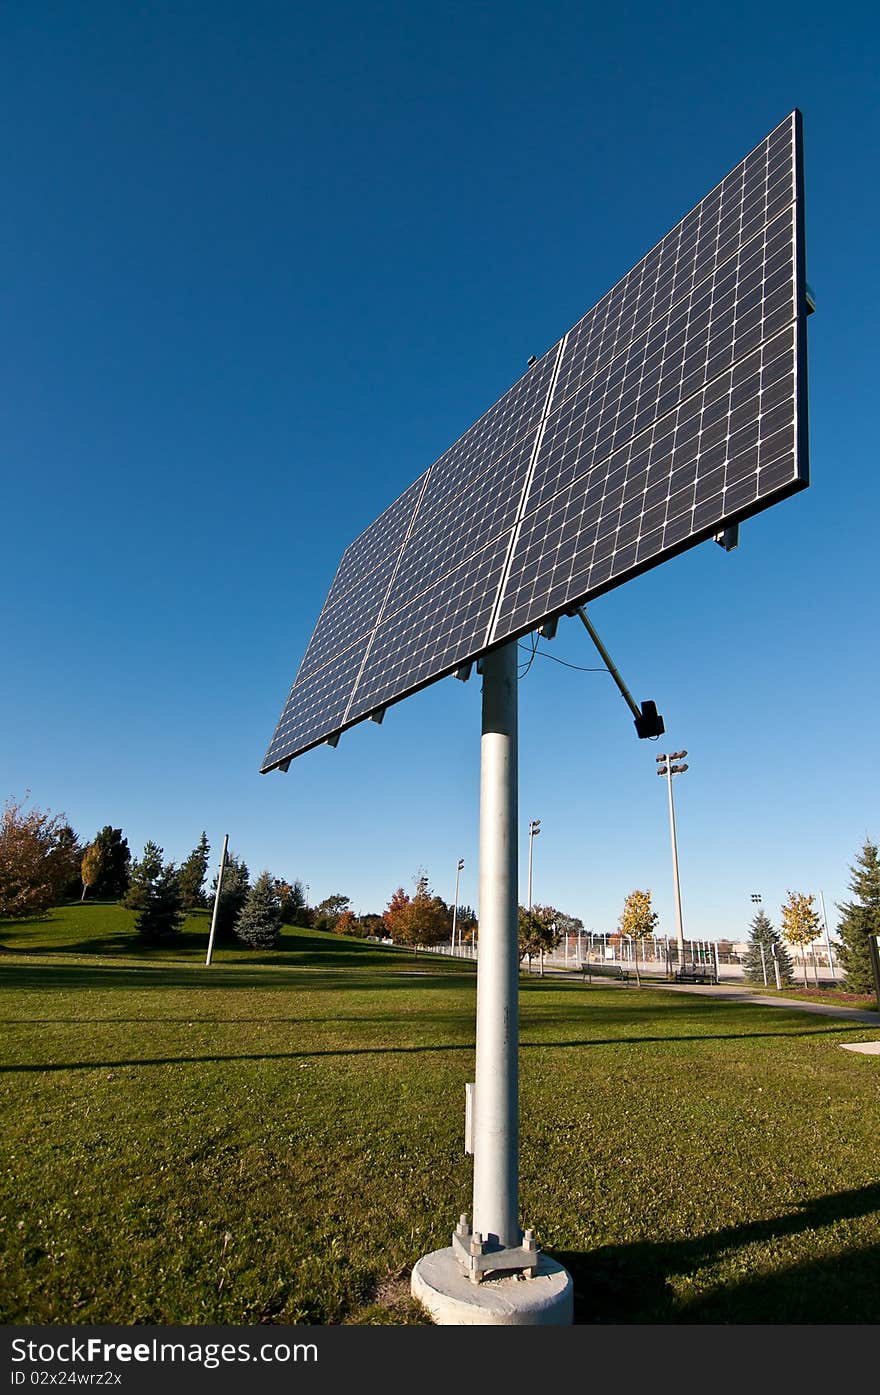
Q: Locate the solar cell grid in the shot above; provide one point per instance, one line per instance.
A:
(658, 491)
(353, 614)
(517, 412)
(675, 406)
(375, 543)
(464, 525)
(320, 704)
(440, 627)
(698, 342)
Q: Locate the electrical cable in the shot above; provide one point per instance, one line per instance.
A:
(534, 651)
(579, 668)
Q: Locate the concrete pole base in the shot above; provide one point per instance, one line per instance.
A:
(510, 1300)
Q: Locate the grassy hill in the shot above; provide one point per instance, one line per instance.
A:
(279, 1137)
(107, 928)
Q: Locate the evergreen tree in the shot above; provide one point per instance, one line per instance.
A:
(292, 899)
(115, 864)
(192, 873)
(259, 920)
(69, 855)
(763, 935)
(233, 894)
(466, 924)
(859, 919)
(155, 894)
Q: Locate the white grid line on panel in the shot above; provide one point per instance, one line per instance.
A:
(431, 631)
(550, 473)
(688, 273)
(371, 547)
(548, 405)
(387, 593)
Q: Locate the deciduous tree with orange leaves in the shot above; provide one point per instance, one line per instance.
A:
(33, 869)
(394, 916)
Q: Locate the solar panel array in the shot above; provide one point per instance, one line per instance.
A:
(674, 408)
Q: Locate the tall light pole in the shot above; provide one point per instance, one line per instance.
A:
(458, 870)
(666, 767)
(534, 830)
(756, 898)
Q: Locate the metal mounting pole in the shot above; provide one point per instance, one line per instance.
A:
(496, 1122)
(493, 1245)
(217, 900)
(494, 1241)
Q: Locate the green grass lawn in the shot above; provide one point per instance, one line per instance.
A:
(278, 1138)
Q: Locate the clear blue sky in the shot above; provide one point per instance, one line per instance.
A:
(262, 264)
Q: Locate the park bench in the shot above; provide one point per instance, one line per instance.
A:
(605, 971)
(695, 973)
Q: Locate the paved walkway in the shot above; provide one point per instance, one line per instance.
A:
(743, 995)
(739, 994)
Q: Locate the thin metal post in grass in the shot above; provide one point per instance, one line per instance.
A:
(217, 900)
(776, 973)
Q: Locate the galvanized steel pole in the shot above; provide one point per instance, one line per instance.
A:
(217, 900)
(675, 868)
(496, 1092)
(827, 936)
(458, 868)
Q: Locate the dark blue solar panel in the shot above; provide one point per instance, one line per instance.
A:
(674, 408)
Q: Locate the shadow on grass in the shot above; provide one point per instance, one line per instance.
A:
(340, 972)
(351, 1051)
(630, 1283)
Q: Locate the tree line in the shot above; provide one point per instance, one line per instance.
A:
(44, 862)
